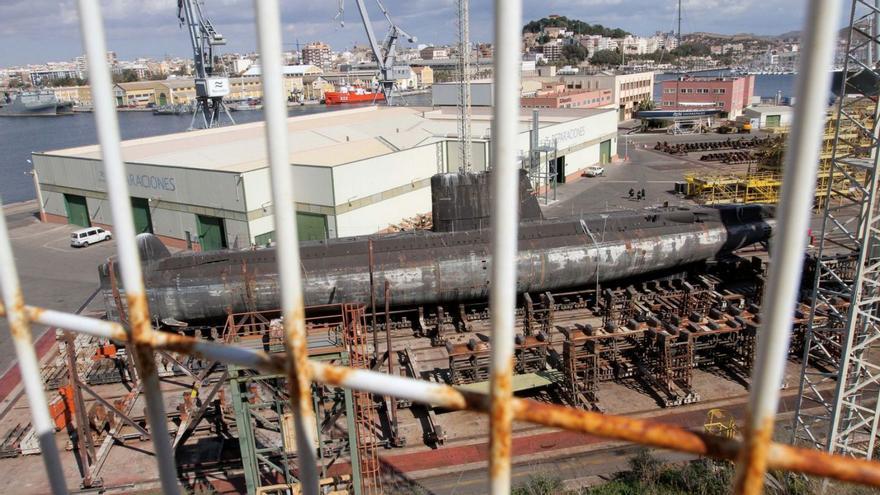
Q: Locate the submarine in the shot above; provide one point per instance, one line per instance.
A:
(439, 267)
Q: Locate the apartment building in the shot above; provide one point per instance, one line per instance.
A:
(627, 89)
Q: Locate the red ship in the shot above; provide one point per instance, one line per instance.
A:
(352, 95)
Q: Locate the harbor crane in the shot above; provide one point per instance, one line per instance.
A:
(386, 53)
(211, 87)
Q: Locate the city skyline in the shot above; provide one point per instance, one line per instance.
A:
(149, 28)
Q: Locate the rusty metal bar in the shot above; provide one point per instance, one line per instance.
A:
(123, 223)
(392, 400)
(28, 363)
(656, 434)
(290, 277)
(789, 242)
(86, 451)
(505, 224)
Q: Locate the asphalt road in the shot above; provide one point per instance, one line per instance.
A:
(646, 169)
(53, 274)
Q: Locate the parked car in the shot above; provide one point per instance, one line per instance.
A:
(91, 235)
(594, 171)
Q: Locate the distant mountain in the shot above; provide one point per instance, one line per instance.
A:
(744, 36)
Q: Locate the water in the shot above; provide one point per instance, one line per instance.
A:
(20, 136)
(766, 85)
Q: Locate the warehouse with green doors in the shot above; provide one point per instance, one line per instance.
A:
(77, 210)
(355, 171)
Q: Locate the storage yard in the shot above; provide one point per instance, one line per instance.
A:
(652, 343)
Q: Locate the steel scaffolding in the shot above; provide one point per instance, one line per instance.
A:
(755, 454)
(837, 410)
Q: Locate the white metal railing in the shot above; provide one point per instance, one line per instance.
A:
(755, 454)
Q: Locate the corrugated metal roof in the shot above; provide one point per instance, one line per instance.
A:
(324, 139)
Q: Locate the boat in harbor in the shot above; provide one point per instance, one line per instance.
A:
(172, 110)
(352, 95)
(245, 105)
(34, 103)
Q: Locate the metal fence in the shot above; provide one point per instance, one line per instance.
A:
(754, 455)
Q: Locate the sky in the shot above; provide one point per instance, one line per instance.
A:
(37, 31)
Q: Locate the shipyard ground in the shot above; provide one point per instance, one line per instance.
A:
(57, 276)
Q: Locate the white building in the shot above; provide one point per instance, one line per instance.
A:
(355, 172)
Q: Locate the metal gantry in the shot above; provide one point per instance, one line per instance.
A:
(464, 85)
(756, 453)
(840, 374)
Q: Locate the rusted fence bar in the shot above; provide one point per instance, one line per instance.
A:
(789, 242)
(28, 363)
(290, 277)
(123, 223)
(505, 223)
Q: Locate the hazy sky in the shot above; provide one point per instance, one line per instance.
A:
(35, 31)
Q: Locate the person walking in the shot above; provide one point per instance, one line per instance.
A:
(639, 196)
(643, 193)
(631, 192)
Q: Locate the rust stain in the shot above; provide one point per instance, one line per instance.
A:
(18, 322)
(752, 458)
(299, 371)
(823, 464)
(141, 332)
(501, 419)
(334, 375)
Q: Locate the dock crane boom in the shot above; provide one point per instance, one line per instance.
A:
(210, 87)
(386, 53)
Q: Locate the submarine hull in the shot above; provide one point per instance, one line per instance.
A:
(448, 267)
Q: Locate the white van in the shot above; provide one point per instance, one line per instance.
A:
(91, 235)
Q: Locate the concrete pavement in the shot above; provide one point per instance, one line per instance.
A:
(53, 274)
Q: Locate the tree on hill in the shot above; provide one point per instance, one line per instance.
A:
(692, 50)
(574, 25)
(573, 54)
(127, 75)
(605, 57)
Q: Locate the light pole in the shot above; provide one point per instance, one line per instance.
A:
(598, 255)
(33, 174)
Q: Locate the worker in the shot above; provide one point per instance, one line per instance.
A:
(631, 192)
(643, 193)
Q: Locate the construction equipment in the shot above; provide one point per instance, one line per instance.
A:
(838, 410)
(211, 87)
(720, 422)
(386, 53)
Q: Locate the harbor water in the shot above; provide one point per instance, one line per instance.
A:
(20, 136)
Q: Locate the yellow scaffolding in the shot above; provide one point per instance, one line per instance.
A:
(763, 184)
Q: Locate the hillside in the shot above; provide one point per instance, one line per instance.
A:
(574, 25)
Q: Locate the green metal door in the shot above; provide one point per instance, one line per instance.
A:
(77, 210)
(143, 223)
(773, 121)
(212, 235)
(264, 239)
(311, 226)
(605, 152)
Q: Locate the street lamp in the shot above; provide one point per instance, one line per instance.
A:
(598, 255)
(36, 178)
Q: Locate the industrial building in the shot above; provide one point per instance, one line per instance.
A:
(557, 96)
(728, 95)
(356, 172)
(769, 116)
(627, 89)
